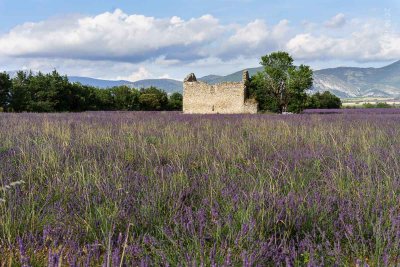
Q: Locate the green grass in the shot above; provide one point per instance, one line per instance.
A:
(158, 188)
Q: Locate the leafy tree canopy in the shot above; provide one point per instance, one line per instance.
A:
(326, 100)
(54, 93)
(281, 86)
(5, 88)
(153, 99)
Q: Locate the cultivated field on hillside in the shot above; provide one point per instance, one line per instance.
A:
(359, 102)
(148, 189)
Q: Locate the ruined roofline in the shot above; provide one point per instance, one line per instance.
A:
(217, 84)
(191, 78)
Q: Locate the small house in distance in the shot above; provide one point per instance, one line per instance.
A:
(223, 98)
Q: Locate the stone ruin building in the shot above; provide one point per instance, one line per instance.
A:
(223, 98)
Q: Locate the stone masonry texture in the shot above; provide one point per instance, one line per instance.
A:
(223, 98)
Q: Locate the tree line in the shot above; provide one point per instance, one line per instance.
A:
(280, 87)
(55, 93)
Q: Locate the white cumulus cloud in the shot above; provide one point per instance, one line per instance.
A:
(337, 21)
(141, 74)
(366, 41)
(115, 36)
(116, 45)
(254, 38)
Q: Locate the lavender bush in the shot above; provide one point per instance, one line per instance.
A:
(146, 189)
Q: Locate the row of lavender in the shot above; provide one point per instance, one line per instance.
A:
(130, 189)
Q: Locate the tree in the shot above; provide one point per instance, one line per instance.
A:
(135, 104)
(383, 105)
(153, 99)
(105, 99)
(377, 105)
(281, 86)
(325, 100)
(20, 96)
(43, 92)
(5, 88)
(125, 98)
(175, 101)
(59, 91)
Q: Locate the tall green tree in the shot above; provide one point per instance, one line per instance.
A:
(20, 95)
(325, 100)
(153, 99)
(281, 86)
(175, 101)
(42, 94)
(125, 98)
(5, 88)
(105, 100)
(59, 91)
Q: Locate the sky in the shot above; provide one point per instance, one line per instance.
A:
(134, 40)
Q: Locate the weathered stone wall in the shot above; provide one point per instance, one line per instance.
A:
(250, 106)
(223, 98)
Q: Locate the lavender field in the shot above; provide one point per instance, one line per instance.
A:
(151, 189)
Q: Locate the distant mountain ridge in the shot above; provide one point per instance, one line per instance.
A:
(360, 82)
(345, 82)
(168, 85)
(97, 82)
